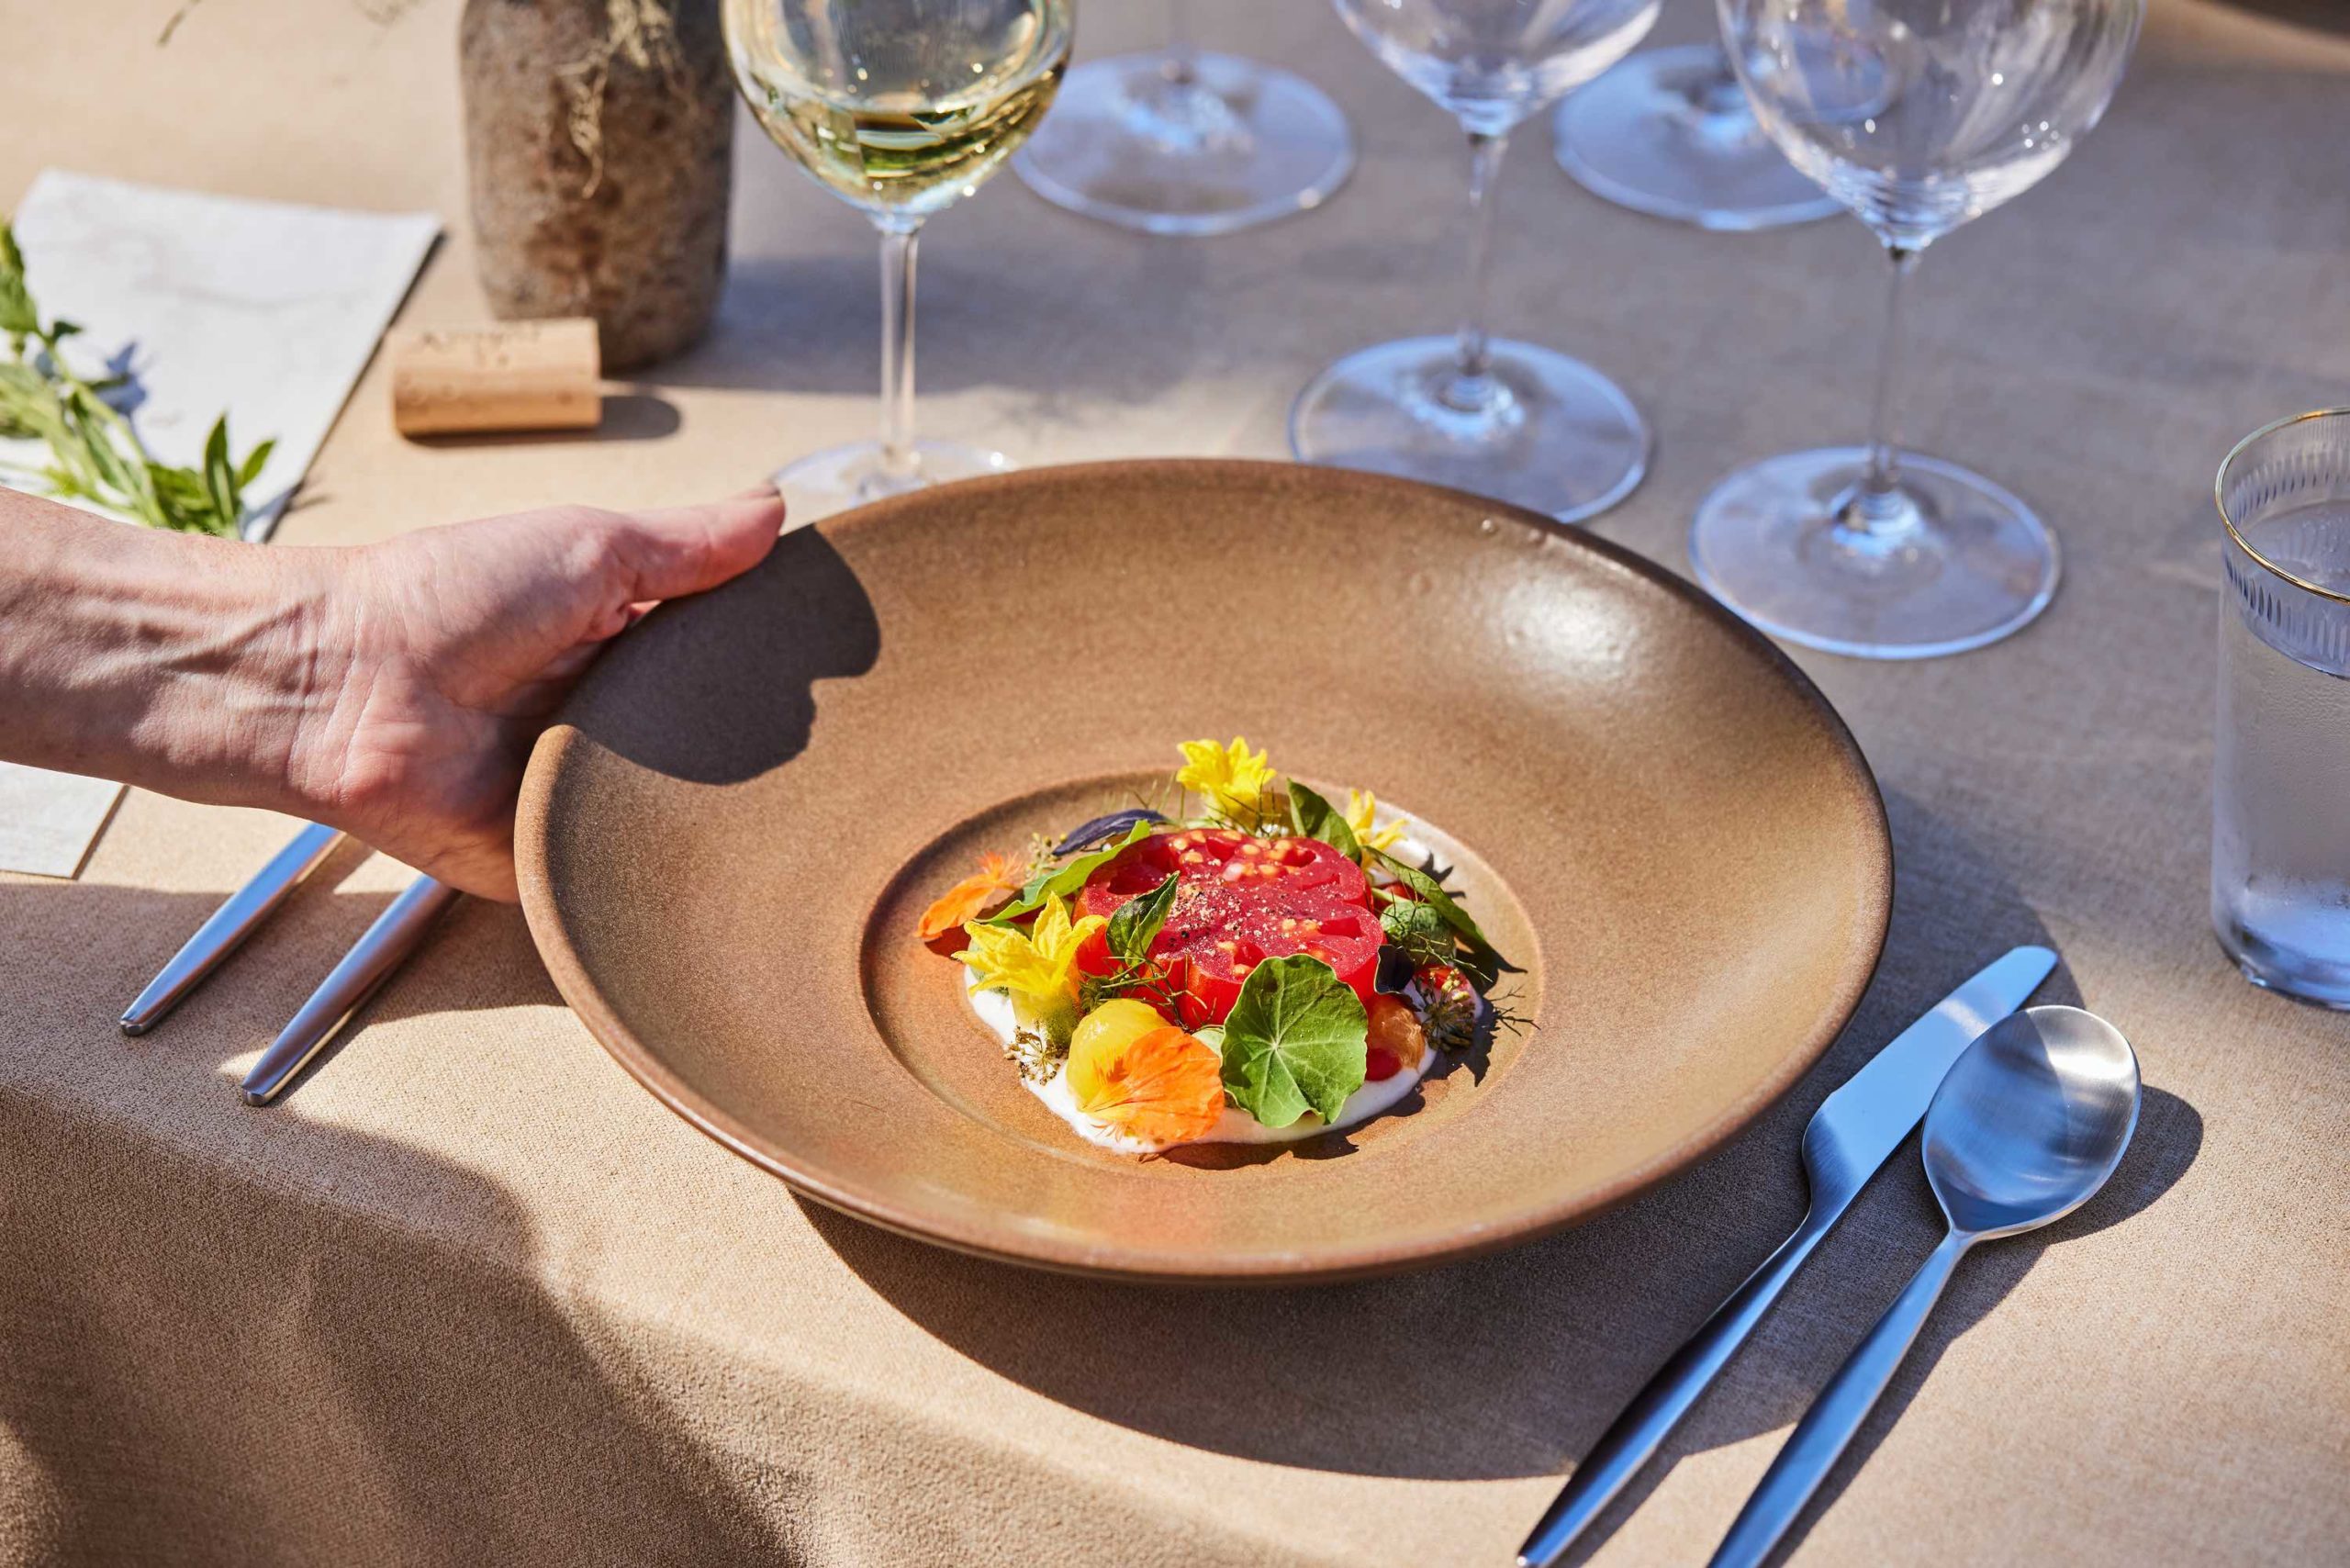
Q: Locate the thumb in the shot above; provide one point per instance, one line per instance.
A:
(683, 550)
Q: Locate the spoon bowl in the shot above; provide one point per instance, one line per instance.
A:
(2031, 1120)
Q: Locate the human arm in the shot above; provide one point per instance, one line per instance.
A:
(390, 690)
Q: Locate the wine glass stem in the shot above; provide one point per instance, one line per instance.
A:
(1485, 149)
(1182, 65)
(898, 237)
(1878, 506)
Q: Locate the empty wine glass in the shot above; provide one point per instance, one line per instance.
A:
(899, 107)
(1506, 419)
(1669, 132)
(1181, 141)
(1916, 115)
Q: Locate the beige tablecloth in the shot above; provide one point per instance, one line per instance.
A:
(470, 1296)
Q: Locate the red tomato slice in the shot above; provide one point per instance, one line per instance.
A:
(1241, 900)
(1344, 935)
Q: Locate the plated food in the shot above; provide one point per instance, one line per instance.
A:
(1241, 962)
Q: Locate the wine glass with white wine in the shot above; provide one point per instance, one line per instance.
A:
(1918, 114)
(899, 107)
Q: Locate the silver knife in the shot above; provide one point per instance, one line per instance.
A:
(226, 931)
(1851, 1134)
(398, 932)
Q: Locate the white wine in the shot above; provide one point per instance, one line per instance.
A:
(899, 109)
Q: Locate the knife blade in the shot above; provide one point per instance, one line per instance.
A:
(1849, 1138)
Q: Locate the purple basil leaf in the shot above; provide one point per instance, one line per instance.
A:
(1086, 834)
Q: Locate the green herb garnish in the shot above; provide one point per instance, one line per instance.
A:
(1297, 1040)
(1481, 962)
(1061, 880)
(95, 453)
(1315, 817)
(1137, 922)
(1418, 932)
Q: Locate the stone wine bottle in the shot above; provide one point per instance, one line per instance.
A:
(599, 142)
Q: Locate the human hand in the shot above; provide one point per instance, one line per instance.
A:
(438, 657)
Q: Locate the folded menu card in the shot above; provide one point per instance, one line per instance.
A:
(261, 309)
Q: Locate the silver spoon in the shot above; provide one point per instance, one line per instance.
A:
(2029, 1124)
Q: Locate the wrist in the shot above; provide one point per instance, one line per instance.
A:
(240, 664)
(182, 665)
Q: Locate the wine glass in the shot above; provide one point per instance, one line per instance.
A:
(1181, 141)
(897, 108)
(1521, 423)
(1669, 132)
(1916, 115)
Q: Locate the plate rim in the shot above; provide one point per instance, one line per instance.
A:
(532, 823)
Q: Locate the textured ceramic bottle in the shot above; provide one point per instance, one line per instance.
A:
(599, 143)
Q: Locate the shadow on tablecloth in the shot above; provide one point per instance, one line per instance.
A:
(1512, 1365)
(203, 1362)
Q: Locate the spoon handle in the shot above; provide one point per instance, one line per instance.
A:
(1641, 1429)
(1828, 1426)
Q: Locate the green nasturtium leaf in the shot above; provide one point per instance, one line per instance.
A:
(1064, 879)
(1296, 1041)
(1137, 921)
(1315, 817)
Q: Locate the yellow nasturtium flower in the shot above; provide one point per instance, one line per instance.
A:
(1037, 965)
(1235, 781)
(1363, 809)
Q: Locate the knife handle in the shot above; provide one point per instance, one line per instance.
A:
(228, 925)
(1641, 1429)
(1828, 1428)
(398, 932)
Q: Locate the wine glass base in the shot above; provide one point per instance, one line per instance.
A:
(1644, 136)
(1969, 566)
(1243, 145)
(840, 477)
(1549, 432)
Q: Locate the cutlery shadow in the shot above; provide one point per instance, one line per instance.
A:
(1411, 1376)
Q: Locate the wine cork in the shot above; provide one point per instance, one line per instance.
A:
(517, 376)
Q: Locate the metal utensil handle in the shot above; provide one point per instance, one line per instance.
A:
(1638, 1433)
(226, 931)
(398, 932)
(1828, 1426)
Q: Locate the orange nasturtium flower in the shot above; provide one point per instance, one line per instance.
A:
(995, 880)
(1130, 1069)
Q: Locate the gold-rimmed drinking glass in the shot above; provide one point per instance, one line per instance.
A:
(2281, 786)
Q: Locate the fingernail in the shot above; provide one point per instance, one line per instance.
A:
(757, 493)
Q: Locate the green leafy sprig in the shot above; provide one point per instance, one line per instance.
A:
(95, 453)
(1062, 880)
(1132, 928)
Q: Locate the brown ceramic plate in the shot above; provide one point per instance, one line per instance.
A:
(725, 843)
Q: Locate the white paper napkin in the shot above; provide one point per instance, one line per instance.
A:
(265, 310)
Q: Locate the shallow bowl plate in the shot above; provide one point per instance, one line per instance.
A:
(725, 841)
